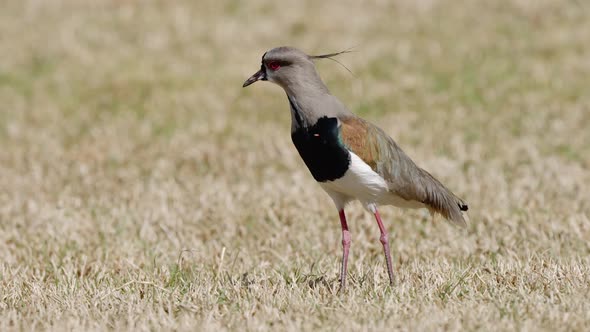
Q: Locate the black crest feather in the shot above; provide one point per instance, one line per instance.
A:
(331, 57)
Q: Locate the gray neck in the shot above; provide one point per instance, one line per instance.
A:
(310, 101)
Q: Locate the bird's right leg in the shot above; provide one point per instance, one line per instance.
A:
(385, 242)
(345, 248)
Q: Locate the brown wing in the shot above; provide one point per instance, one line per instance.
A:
(405, 179)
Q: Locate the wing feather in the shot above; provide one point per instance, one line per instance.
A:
(404, 178)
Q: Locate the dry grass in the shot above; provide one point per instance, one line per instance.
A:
(142, 188)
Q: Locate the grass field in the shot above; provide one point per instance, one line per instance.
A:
(141, 188)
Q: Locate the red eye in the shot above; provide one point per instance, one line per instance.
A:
(274, 65)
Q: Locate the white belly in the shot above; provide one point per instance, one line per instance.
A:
(361, 183)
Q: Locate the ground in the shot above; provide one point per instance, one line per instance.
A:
(143, 189)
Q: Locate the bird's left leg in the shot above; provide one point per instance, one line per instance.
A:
(385, 242)
(345, 248)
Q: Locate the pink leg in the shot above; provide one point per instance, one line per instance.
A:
(385, 242)
(345, 248)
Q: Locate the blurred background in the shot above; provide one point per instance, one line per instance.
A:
(142, 187)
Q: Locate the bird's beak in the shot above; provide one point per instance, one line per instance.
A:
(258, 76)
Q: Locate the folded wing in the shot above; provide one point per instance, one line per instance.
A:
(404, 178)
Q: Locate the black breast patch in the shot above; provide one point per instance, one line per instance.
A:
(322, 150)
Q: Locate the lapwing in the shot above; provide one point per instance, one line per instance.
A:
(351, 158)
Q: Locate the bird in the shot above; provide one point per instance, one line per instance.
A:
(351, 158)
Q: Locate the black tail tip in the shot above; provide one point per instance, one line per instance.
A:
(463, 207)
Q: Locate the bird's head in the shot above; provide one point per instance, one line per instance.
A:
(288, 67)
